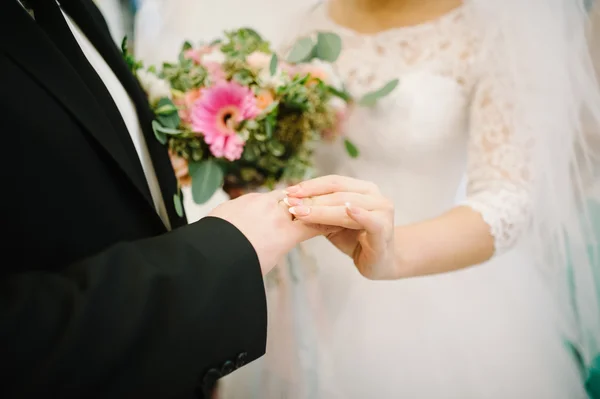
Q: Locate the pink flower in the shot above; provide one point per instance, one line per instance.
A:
(217, 115)
(215, 72)
(287, 68)
(196, 54)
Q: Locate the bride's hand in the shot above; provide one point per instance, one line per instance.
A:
(366, 218)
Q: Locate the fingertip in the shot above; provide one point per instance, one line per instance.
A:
(299, 211)
(352, 211)
(292, 190)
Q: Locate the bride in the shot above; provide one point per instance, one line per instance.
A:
(488, 87)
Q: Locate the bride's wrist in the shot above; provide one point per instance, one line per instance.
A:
(406, 261)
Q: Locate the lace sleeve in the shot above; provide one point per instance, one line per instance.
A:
(498, 165)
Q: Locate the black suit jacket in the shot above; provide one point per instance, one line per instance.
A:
(97, 299)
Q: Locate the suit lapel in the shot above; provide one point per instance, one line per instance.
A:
(27, 44)
(91, 22)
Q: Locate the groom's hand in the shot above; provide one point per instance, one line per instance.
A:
(265, 221)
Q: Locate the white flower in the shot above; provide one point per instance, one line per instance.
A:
(216, 56)
(337, 104)
(259, 60)
(155, 87)
(322, 70)
(275, 81)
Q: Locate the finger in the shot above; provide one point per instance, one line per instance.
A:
(305, 231)
(369, 221)
(368, 202)
(331, 184)
(284, 208)
(373, 223)
(325, 215)
(277, 195)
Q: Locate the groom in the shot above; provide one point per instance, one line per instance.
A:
(104, 290)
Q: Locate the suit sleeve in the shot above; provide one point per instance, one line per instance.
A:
(158, 318)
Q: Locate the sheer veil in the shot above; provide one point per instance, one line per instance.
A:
(542, 50)
(548, 57)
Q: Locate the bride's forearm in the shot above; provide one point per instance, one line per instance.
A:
(458, 239)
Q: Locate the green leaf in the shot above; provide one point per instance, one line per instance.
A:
(178, 205)
(276, 148)
(351, 148)
(302, 50)
(168, 119)
(207, 177)
(160, 136)
(156, 126)
(370, 99)
(344, 95)
(186, 46)
(269, 127)
(271, 107)
(124, 45)
(166, 109)
(273, 64)
(329, 46)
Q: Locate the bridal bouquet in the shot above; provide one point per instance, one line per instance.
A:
(238, 117)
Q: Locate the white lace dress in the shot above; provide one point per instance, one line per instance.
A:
(485, 332)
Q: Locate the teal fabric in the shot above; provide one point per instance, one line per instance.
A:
(591, 372)
(588, 4)
(592, 383)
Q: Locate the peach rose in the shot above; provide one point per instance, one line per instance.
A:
(258, 60)
(185, 103)
(180, 167)
(264, 99)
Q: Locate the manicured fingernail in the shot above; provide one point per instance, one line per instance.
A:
(292, 201)
(292, 190)
(300, 210)
(352, 209)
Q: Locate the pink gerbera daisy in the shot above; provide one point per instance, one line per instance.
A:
(217, 115)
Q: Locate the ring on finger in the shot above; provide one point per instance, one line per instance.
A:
(282, 204)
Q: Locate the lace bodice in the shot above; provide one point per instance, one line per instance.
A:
(450, 115)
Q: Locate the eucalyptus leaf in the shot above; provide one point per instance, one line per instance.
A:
(164, 101)
(344, 95)
(207, 177)
(160, 136)
(302, 50)
(351, 148)
(273, 64)
(156, 126)
(329, 46)
(168, 119)
(166, 109)
(178, 205)
(370, 99)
